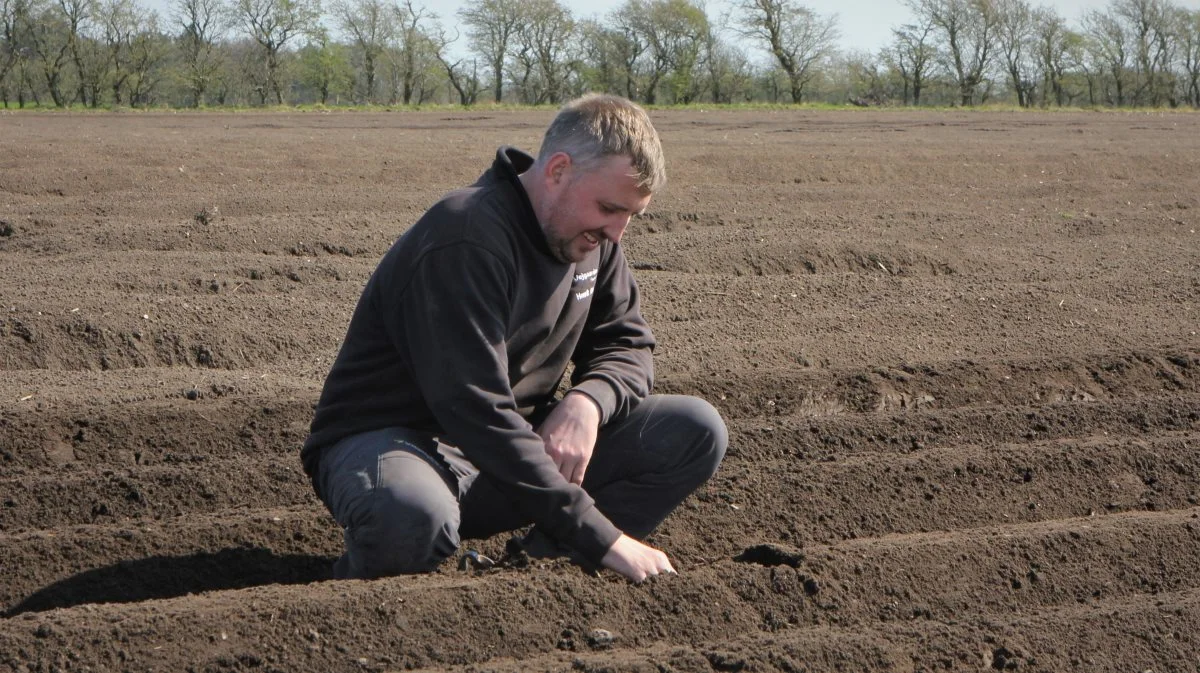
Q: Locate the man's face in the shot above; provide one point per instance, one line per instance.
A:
(586, 207)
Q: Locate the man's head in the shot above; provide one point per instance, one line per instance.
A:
(599, 163)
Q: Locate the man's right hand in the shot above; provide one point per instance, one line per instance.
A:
(635, 560)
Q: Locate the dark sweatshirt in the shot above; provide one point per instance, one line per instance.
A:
(467, 326)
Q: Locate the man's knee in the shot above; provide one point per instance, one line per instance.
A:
(408, 530)
(712, 435)
(696, 428)
(396, 507)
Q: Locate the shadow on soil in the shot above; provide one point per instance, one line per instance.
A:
(172, 576)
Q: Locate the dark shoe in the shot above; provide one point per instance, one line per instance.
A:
(341, 567)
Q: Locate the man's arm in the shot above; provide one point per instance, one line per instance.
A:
(569, 434)
(613, 361)
(450, 322)
(613, 370)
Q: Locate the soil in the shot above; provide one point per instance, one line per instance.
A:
(957, 354)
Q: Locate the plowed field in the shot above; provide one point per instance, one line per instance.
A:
(957, 354)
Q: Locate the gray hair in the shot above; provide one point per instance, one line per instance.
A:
(597, 126)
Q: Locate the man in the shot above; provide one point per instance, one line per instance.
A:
(439, 421)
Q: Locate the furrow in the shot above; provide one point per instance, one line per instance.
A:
(78, 494)
(944, 385)
(1156, 631)
(153, 432)
(824, 438)
(904, 584)
(140, 560)
(950, 488)
(819, 412)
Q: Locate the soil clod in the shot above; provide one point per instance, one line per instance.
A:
(770, 554)
(599, 639)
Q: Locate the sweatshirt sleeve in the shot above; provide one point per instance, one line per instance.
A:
(613, 360)
(450, 321)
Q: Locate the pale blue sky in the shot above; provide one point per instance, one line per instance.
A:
(864, 24)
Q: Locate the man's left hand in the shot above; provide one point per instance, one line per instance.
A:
(569, 434)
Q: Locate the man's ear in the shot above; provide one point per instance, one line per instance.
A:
(558, 169)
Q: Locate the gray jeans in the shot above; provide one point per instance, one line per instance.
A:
(405, 500)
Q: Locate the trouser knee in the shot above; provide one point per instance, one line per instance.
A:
(397, 507)
(710, 437)
(693, 429)
(402, 536)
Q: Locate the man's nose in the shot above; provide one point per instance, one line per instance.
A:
(614, 232)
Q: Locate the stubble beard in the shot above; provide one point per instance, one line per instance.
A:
(560, 248)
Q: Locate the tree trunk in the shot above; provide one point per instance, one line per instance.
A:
(369, 71)
(52, 81)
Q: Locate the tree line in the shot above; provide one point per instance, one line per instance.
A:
(100, 53)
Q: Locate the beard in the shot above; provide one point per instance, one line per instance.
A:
(561, 246)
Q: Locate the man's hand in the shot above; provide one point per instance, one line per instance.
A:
(569, 434)
(635, 560)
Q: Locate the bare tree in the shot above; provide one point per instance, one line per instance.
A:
(1149, 24)
(272, 24)
(119, 21)
(627, 45)
(204, 22)
(491, 27)
(862, 78)
(673, 32)
(1015, 38)
(10, 45)
(600, 70)
(684, 25)
(1051, 45)
(463, 76)
(17, 50)
(1188, 27)
(50, 43)
(727, 67)
(147, 49)
(85, 43)
(1109, 44)
(414, 51)
(556, 39)
(522, 67)
(795, 36)
(371, 24)
(542, 41)
(913, 55)
(969, 29)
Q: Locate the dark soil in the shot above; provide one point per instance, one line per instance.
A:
(957, 354)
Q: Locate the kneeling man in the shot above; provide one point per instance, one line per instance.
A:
(439, 420)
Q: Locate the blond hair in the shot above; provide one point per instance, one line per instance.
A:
(597, 126)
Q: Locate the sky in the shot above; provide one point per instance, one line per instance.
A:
(864, 24)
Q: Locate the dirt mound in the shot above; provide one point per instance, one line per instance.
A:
(960, 372)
